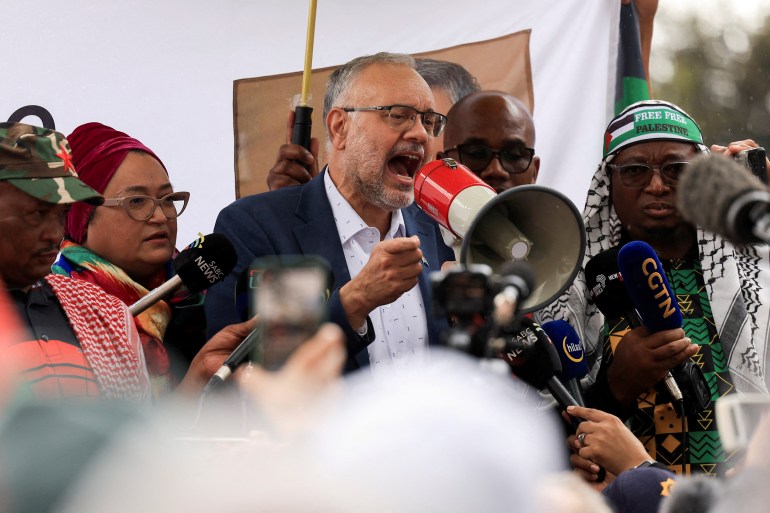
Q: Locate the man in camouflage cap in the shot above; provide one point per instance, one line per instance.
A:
(37, 184)
(80, 340)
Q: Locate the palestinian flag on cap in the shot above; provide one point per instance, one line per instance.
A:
(631, 85)
(650, 120)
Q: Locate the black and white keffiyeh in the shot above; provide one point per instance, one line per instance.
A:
(737, 279)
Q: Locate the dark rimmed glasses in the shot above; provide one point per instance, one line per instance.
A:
(477, 157)
(638, 176)
(141, 208)
(402, 117)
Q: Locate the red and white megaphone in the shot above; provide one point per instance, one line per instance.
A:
(531, 223)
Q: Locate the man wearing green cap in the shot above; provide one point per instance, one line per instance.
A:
(81, 341)
(718, 287)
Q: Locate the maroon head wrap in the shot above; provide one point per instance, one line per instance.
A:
(97, 151)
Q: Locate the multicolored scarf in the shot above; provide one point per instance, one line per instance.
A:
(81, 263)
(737, 279)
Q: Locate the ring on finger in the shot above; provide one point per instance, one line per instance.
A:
(582, 439)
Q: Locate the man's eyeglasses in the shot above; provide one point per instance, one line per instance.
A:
(477, 157)
(141, 208)
(402, 117)
(638, 176)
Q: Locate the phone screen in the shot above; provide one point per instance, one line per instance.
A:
(290, 297)
(739, 416)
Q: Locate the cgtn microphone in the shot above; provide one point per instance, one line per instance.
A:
(610, 294)
(656, 303)
(646, 283)
(719, 195)
(206, 261)
(571, 354)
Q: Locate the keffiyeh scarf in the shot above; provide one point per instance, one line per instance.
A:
(81, 263)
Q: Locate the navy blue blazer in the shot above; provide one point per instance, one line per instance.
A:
(299, 221)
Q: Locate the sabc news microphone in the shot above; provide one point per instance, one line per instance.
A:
(721, 196)
(571, 354)
(656, 303)
(611, 296)
(533, 359)
(206, 261)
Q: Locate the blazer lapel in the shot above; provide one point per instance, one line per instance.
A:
(318, 235)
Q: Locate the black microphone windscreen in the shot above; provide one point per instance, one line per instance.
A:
(205, 262)
(708, 187)
(605, 285)
(531, 356)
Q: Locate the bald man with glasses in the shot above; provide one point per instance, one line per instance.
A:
(358, 214)
(492, 133)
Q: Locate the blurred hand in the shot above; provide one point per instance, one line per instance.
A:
(607, 443)
(642, 359)
(212, 355)
(734, 147)
(288, 399)
(294, 164)
(392, 269)
(738, 146)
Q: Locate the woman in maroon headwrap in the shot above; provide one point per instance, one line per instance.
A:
(126, 246)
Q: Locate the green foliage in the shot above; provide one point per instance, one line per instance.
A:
(727, 93)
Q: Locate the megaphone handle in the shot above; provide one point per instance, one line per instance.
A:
(302, 125)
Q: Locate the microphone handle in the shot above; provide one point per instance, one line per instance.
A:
(632, 317)
(237, 357)
(574, 389)
(155, 295)
(563, 397)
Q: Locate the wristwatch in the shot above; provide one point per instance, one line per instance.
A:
(652, 463)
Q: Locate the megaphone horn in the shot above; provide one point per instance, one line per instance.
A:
(528, 223)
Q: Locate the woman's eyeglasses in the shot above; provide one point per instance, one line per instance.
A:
(141, 208)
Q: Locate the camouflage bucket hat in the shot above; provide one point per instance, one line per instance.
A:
(37, 161)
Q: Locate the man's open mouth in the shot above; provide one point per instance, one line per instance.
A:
(405, 165)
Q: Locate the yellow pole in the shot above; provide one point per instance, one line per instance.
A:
(308, 53)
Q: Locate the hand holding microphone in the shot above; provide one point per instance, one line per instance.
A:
(637, 364)
(646, 282)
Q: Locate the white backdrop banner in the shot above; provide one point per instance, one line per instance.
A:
(163, 71)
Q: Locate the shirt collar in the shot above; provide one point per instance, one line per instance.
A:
(349, 223)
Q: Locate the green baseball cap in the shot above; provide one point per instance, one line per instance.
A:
(38, 161)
